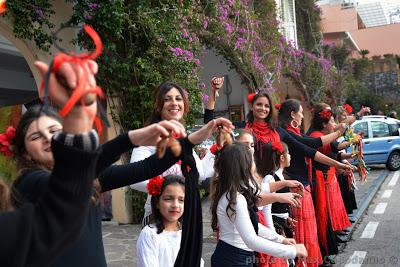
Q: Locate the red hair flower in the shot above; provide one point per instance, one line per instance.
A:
(214, 149)
(154, 185)
(2, 6)
(278, 106)
(348, 108)
(250, 97)
(6, 140)
(326, 114)
(277, 146)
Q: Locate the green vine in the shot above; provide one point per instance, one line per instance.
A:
(31, 20)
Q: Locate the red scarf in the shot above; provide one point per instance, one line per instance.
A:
(290, 128)
(263, 133)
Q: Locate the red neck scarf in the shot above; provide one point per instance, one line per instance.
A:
(263, 133)
(290, 128)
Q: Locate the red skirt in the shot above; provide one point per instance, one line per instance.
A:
(305, 231)
(336, 208)
(266, 260)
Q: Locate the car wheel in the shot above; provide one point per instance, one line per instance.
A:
(393, 162)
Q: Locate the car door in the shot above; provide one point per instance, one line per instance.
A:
(381, 141)
(363, 128)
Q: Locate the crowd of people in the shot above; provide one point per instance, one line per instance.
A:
(279, 196)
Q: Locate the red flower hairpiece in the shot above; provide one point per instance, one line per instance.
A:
(154, 185)
(214, 149)
(2, 6)
(6, 140)
(278, 106)
(348, 108)
(326, 114)
(277, 146)
(250, 97)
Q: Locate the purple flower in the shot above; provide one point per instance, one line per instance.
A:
(325, 63)
(228, 28)
(205, 24)
(185, 33)
(197, 62)
(205, 98)
(40, 13)
(240, 41)
(93, 6)
(177, 51)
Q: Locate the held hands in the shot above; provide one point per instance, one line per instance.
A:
(295, 187)
(154, 133)
(60, 86)
(301, 251)
(207, 130)
(289, 198)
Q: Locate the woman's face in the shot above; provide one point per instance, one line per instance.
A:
(261, 108)
(298, 116)
(248, 140)
(171, 203)
(174, 106)
(38, 139)
(330, 126)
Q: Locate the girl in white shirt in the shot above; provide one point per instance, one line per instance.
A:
(234, 212)
(159, 243)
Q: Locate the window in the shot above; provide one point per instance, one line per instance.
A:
(361, 129)
(380, 129)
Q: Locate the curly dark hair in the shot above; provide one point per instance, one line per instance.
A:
(233, 170)
(156, 216)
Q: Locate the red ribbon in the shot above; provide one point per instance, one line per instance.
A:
(81, 90)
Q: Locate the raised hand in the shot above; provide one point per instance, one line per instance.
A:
(216, 84)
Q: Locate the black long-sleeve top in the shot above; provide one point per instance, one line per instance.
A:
(89, 249)
(298, 169)
(35, 234)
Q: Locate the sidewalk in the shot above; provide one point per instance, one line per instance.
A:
(120, 240)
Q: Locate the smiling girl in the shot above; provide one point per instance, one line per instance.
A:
(159, 242)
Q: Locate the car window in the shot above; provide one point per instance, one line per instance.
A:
(380, 129)
(394, 129)
(361, 129)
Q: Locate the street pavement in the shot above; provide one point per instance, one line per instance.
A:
(375, 241)
(120, 240)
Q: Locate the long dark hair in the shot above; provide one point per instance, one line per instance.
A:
(233, 175)
(5, 197)
(20, 154)
(271, 119)
(285, 112)
(156, 215)
(270, 159)
(159, 96)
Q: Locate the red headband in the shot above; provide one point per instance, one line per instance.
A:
(6, 140)
(326, 114)
(348, 108)
(250, 97)
(154, 186)
(278, 106)
(277, 146)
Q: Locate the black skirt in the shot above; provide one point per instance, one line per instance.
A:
(226, 255)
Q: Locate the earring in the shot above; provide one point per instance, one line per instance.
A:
(294, 124)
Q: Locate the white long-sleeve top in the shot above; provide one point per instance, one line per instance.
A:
(157, 250)
(143, 152)
(269, 179)
(239, 232)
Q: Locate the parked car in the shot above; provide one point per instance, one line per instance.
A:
(381, 140)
